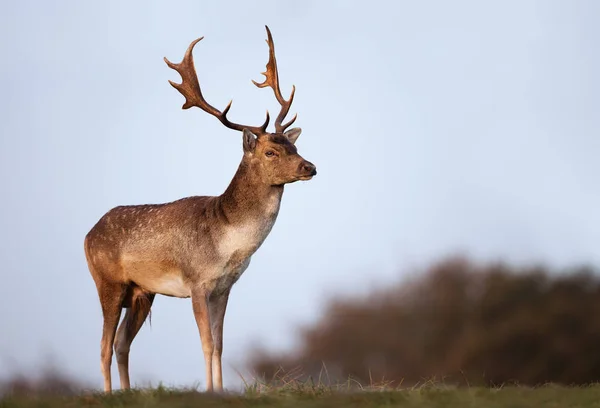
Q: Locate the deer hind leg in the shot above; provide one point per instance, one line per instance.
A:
(138, 305)
(111, 299)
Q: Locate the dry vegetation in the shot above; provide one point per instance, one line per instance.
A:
(467, 324)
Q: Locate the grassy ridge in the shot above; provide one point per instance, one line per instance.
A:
(514, 397)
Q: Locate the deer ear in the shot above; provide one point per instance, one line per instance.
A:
(293, 134)
(249, 141)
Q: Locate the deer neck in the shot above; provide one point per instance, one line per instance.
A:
(248, 198)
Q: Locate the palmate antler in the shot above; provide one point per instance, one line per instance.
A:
(190, 89)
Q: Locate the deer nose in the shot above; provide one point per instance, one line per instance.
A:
(308, 168)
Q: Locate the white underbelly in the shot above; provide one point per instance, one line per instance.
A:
(158, 278)
(171, 285)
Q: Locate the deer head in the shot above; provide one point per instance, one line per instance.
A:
(272, 157)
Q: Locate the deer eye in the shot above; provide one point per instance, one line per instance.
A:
(269, 153)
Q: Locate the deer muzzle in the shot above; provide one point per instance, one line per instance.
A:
(307, 170)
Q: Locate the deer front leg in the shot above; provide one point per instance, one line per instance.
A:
(217, 316)
(202, 315)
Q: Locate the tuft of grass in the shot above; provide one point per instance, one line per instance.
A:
(294, 382)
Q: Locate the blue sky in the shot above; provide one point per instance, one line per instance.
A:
(437, 127)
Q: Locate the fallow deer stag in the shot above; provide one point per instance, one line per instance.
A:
(197, 246)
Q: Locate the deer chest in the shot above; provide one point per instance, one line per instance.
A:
(237, 245)
(241, 241)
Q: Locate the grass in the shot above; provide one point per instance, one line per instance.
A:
(311, 394)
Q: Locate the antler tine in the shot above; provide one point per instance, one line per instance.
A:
(190, 89)
(272, 81)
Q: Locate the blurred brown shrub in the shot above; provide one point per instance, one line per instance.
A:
(49, 381)
(460, 322)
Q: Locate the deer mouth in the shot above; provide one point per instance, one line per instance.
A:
(308, 176)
